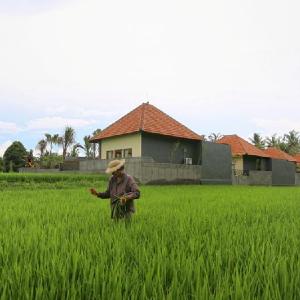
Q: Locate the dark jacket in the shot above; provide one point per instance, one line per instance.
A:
(117, 188)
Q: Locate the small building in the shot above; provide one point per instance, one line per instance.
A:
(148, 132)
(245, 156)
(157, 147)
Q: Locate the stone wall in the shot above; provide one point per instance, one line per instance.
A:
(254, 178)
(283, 172)
(297, 179)
(147, 171)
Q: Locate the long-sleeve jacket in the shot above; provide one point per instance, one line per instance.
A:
(127, 186)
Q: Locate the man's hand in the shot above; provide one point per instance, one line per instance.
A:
(94, 192)
(123, 199)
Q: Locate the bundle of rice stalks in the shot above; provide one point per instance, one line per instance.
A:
(119, 209)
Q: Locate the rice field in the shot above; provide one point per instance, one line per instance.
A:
(185, 242)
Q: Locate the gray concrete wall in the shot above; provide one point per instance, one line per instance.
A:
(260, 178)
(159, 173)
(297, 178)
(70, 165)
(147, 171)
(254, 178)
(165, 149)
(216, 163)
(283, 172)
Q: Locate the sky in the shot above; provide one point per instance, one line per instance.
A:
(229, 67)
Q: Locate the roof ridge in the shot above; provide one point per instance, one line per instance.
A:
(118, 120)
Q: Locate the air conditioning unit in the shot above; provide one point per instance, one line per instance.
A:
(188, 161)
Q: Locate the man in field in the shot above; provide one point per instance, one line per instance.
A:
(122, 190)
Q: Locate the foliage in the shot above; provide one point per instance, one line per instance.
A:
(1, 164)
(50, 161)
(75, 150)
(41, 147)
(87, 146)
(185, 242)
(214, 137)
(96, 146)
(67, 140)
(258, 141)
(292, 142)
(14, 157)
(49, 180)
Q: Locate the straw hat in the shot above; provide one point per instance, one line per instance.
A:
(114, 165)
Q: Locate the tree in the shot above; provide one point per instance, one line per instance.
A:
(41, 147)
(96, 146)
(213, 137)
(75, 150)
(55, 139)
(257, 141)
(87, 146)
(276, 142)
(292, 141)
(14, 157)
(67, 140)
(1, 164)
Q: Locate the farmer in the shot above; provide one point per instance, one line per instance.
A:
(121, 190)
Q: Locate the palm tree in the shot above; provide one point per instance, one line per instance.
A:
(75, 150)
(41, 146)
(213, 137)
(87, 146)
(257, 141)
(49, 140)
(273, 141)
(292, 140)
(94, 147)
(67, 139)
(55, 139)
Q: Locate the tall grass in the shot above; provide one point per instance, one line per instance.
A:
(185, 242)
(50, 181)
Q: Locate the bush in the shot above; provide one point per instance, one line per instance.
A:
(14, 157)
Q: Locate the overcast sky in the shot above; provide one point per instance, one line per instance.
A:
(217, 66)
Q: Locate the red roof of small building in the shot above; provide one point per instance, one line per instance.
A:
(279, 154)
(240, 146)
(147, 118)
(297, 157)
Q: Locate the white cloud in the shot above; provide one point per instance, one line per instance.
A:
(49, 123)
(8, 127)
(4, 146)
(279, 126)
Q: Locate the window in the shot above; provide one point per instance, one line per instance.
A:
(127, 152)
(109, 154)
(118, 153)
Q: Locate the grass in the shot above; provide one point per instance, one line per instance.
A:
(185, 242)
(48, 181)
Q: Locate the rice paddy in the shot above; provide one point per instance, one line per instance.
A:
(184, 242)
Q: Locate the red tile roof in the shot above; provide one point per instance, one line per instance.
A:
(279, 154)
(147, 118)
(240, 146)
(297, 157)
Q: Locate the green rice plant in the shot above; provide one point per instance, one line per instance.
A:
(185, 242)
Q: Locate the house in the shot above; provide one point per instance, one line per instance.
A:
(245, 156)
(146, 131)
(158, 148)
